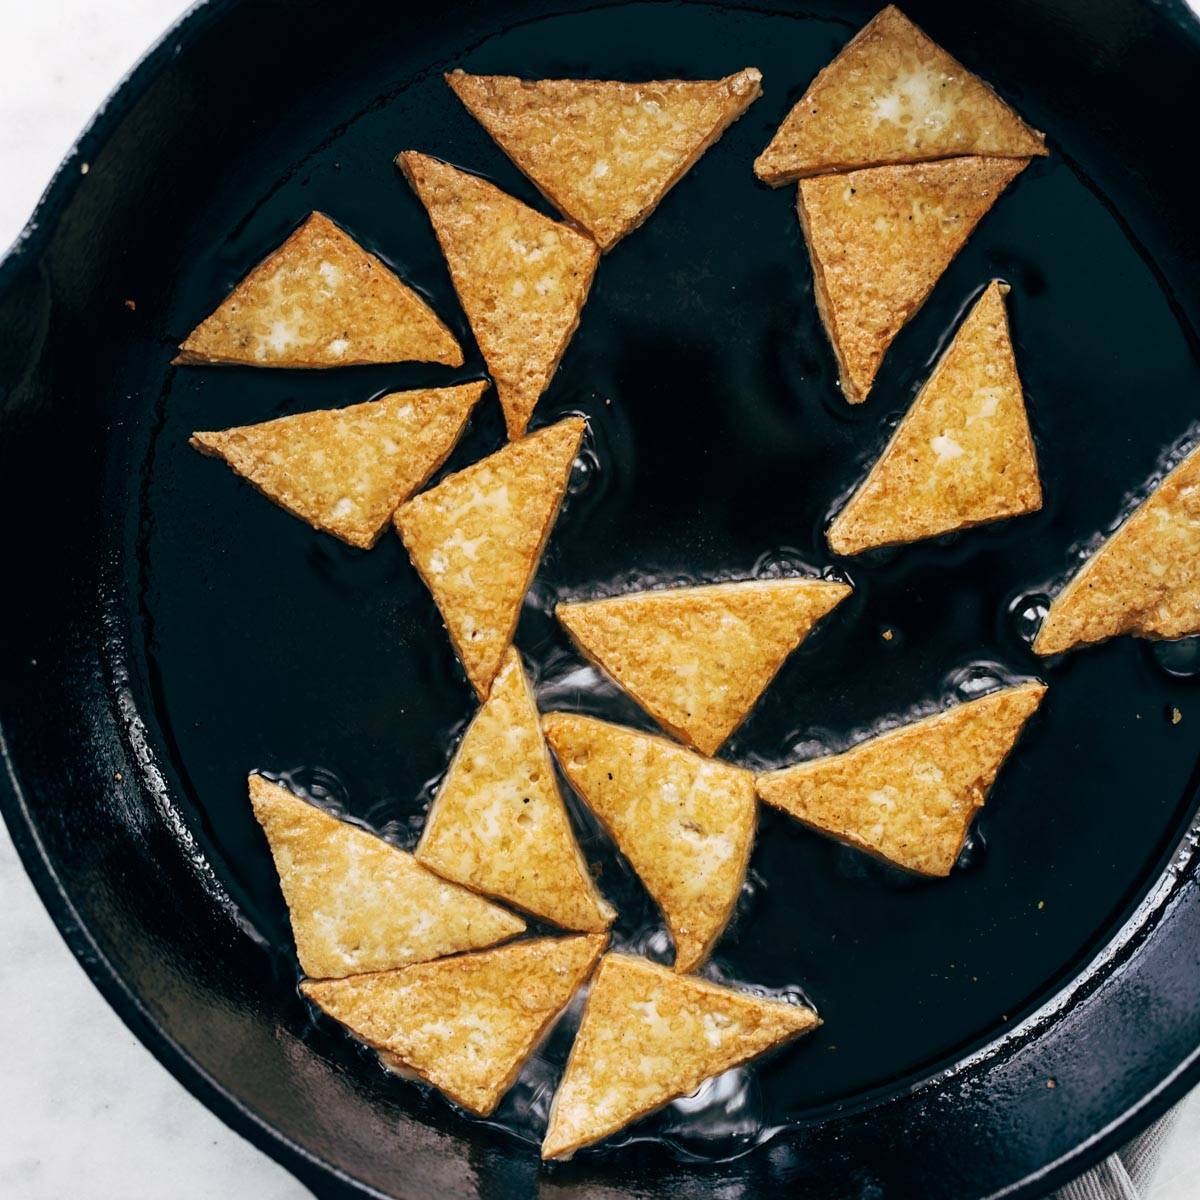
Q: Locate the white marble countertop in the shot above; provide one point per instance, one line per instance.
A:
(91, 1115)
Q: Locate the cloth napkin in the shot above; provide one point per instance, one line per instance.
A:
(1128, 1174)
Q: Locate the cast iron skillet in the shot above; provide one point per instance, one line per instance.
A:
(167, 629)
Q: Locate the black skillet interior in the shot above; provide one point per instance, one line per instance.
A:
(169, 629)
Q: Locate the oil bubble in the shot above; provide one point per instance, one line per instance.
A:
(1027, 613)
(1179, 659)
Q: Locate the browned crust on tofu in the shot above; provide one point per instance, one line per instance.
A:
(480, 597)
(466, 1025)
(320, 300)
(1144, 580)
(521, 278)
(698, 659)
(892, 96)
(358, 903)
(649, 1036)
(605, 153)
(685, 822)
(908, 796)
(879, 239)
(499, 825)
(345, 471)
(962, 455)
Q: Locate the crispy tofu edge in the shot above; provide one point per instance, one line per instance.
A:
(519, 924)
(846, 382)
(849, 387)
(607, 242)
(849, 839)
(776, 177)
(606, 914)
(191, 358)
(700, 954)
(309, 986)
(483, 686)
(1057, 645)
(515, 426)
(210, 443)
(704, 746)
(847, 548)
(562, 1154)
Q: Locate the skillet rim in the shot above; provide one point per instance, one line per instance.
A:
(1123, 950)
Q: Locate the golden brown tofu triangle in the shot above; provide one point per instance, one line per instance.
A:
(605, 153)
(476, 539)
(346, 470)
(320, 300)
(879, 239)
(466, 1024)
(892, 96)
(1144, 581)
(909, 795)
(685, 822)
(358, 903)
(499, 825)
(649, 1036)
(697, 659)
(962, 455)
(521, 278)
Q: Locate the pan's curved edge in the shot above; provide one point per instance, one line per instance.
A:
(1119, 960)
(319, 1176)
(125, 93)
(325, 1179)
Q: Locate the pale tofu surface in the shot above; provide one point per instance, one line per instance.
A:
(321, 300)
(892, 96)
(1144, 581)
(346, 470)
(962, 456)
(880, 238)
(477, 537)
(697, 659)
(649, 1036)
(521, 278)
(499, 825)
(358, 903)
(605, 153)
(909, 795)
(685, 822)
(464, 1024)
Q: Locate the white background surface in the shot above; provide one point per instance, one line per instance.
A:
(85, 1111)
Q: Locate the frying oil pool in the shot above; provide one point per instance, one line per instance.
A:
(717, 443)
(727, 1116)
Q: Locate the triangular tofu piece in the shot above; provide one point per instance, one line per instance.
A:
(346, 470)
(962, 456)
(499, 825)
(684, 822)
(321, 301)
(522, 279)
(697, 659)
(466, 1024)
(880, 239)
(1144, 581)
(358, 903)
(649, 1036)
(605, 153)
(477, 538)
(892, 96)
(908, 796)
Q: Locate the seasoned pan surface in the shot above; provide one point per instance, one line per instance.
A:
(174, 630)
